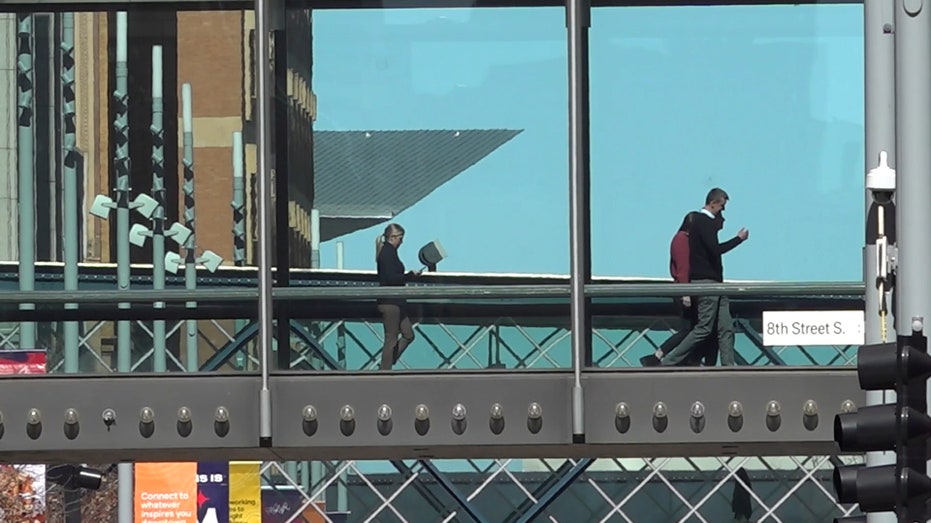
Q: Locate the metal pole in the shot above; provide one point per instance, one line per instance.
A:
(239, 203)
(190, 258)
(239, 228)
(314, 238)
(158, 192)
(913, 168)
(342, 490)
(26, 158)
(879, 55)
(70, 218)
(305, 478)
(578, 20)
(121, 166)
(70, 175)
(263, 123)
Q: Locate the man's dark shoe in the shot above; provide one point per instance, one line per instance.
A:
(650, 361)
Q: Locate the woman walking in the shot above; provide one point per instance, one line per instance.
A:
(393, 311)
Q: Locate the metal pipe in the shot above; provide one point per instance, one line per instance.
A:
(280, 165)
(913, 133)
(305, 478)
(850, 290)
(316, 468)
(342, 489)
(160, 355)
(239, 203)
(263, 143)
(27, 180)
(913, 176)
(121, 168)
(315, 238)
(190, 255)
(70, 219)
(70, 196)
(879, 90)
(578, 13)
(239, 229)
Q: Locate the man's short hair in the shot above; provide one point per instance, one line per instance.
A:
(716, 195)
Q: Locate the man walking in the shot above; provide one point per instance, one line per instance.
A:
(679, 270)
(706, 266)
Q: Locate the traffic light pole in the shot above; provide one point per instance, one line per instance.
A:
(913, 131)
(913, 134)
(903, 365)
(913, 208)
(879, 110)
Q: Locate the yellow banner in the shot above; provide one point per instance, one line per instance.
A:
(245, 492)
(166, 493)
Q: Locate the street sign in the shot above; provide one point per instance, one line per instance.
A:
(813, 328)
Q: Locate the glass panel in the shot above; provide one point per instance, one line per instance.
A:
(471, 326)
(763, 101)
(451, 122)
(632, 332)
(62, 122)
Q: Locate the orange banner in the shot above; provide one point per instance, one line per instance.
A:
(165, 493)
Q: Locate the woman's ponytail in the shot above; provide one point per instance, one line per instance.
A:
(379, 241)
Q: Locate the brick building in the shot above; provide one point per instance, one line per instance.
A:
(213, 52)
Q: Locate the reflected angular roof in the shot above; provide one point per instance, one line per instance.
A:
(362, 178)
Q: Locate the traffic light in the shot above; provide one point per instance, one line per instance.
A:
(904, 427)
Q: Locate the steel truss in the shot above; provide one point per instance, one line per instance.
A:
(120, 434)
(652, 490)
(451, 334)
(465, 340)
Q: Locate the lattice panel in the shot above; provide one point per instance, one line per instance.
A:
(684, 490)
(356, 346)
(629, 490)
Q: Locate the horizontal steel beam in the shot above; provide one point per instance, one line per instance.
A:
(102, 276)
(125, 437)
(626, 313)
(715, 389)
(441, 293)
(201, 5)
(327, 435)
(465, 304)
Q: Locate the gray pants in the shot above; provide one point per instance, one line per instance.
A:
(396, 322)
(714, 314)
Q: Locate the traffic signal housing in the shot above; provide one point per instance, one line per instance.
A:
(904, 427)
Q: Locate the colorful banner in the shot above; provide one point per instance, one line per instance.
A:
(22, 487)
(165, 493)
(245, 492)
(22, 362)
(213, 492)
